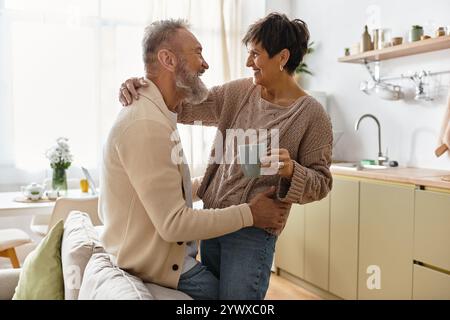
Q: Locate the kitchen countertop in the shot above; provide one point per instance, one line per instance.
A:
(431, 178)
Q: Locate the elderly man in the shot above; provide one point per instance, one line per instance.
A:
(146, 199)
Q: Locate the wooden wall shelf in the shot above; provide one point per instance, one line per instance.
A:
(403, 50)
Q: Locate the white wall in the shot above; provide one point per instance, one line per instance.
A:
(253, 10)
(409, 128)
(282, 6)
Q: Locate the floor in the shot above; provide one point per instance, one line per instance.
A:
(282, 289)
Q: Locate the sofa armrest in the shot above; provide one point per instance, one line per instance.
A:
(8, 279)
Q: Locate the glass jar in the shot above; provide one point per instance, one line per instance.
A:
(440, 32)
(84, 185)
(415, 33)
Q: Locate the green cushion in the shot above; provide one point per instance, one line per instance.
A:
(41, 277)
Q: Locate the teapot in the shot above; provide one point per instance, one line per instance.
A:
(33, 191)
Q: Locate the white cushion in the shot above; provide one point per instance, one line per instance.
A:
(99, 230)
(11, 238)
(80, 241)
(163, 293)
(9, 278)
(105, 281)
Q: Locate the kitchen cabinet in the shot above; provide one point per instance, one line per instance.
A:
(432, 228)
(385, 240)
(430, 284)
(290, 247)
(317, 236)
(344, 223)
(303, 247)
(368, 230)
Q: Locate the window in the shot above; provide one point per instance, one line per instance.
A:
(62, 62)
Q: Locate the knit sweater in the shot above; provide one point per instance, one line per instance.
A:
(306, 134)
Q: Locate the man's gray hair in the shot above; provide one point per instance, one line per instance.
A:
(158, 34)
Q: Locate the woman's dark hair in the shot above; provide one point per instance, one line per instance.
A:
(276, 32)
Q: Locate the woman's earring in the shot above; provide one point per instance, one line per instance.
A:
(281, 67)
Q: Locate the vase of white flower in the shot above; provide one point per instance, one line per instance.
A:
(59, 179)
(60, 160)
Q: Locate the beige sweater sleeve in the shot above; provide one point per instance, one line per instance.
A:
(208, 112)
(196, 182)
(145, 150)
(312, 179)
(221, 100)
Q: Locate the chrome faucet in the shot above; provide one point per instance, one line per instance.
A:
(381, 157)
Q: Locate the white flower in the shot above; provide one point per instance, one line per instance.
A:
(59, 155)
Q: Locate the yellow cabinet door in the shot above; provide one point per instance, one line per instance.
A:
(385, 241)
(290, 247)
(432, 228)
(317, 236)
(344, 223)
(430, 284)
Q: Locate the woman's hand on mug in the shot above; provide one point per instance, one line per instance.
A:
(283, 161)
(128, 90)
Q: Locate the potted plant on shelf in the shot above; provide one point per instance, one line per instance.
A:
(303, 67)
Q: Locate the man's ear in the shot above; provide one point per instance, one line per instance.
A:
(167, 59)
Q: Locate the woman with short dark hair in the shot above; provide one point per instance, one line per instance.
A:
(275, 33)
(272, 99)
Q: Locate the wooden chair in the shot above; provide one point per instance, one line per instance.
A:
(9, 240)
(40, 223)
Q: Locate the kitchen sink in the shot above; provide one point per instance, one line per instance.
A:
(354, 166)
(374, 166)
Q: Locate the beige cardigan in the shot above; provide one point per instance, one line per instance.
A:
(142, 205)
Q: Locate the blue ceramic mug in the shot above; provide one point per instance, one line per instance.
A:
(249, 158)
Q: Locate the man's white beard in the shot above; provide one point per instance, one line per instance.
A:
(190, 84)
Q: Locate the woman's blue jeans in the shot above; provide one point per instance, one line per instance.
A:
(242, 262)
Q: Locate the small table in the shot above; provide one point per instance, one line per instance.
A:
(11, 208)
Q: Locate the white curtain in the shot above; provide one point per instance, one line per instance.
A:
(62, 62)
(217, 25)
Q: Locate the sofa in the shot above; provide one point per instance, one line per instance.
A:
(88, 272)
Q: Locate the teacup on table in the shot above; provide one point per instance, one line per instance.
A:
(52, 194)
(249, 158)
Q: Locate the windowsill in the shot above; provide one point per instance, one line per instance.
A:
(13, 178)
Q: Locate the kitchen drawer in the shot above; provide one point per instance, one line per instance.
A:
(432, 225)
(429, 284)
